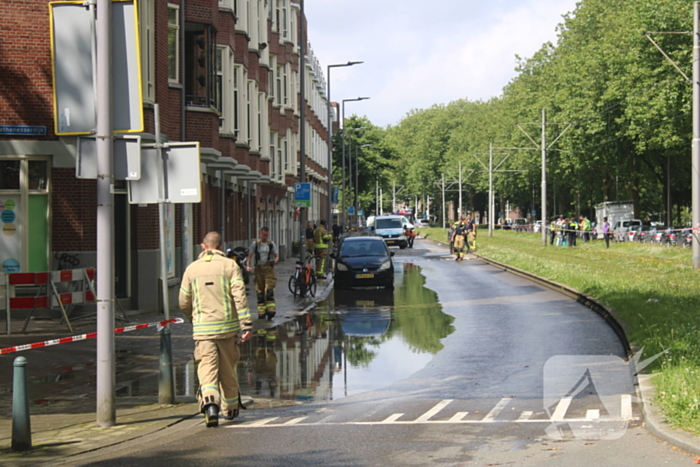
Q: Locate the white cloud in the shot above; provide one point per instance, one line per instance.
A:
(416, 56)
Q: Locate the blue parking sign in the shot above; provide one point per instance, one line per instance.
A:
(302, 195)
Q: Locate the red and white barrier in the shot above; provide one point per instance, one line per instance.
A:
(90, 335)
(47, 295)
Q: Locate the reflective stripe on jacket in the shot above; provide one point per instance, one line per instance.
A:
(321, 237)
(212, 294)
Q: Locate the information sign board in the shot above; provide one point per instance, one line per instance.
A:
(302, 195)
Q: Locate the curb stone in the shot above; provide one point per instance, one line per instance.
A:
(654, 419)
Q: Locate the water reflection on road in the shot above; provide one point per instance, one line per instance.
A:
(357, 340)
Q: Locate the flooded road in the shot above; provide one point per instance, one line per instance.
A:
(355, 341)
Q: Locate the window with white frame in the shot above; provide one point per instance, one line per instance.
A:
(273, 156)
(272, 78)
(173, 43)
(249, 112)
(259, 123)
(148, 62)
(226, 89)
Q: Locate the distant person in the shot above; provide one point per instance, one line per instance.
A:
(263, 256)
(309, 234)
(606, 232)
(410, 235)
(336, 232)
(458, 238)
(212, 295)
(321, 245)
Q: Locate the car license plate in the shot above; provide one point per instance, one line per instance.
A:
(390, 242)
(364, 276)
(365, 303)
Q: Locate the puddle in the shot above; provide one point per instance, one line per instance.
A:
(356, 341)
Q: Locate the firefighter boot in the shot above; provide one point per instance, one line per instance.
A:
(211, 415)
(270, 308)
(233, 413)
(261, 305)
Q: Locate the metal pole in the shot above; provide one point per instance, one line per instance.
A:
(376, 197)
(492, 206)
(343, 204)
(393, 196)
(696, 138)
(544, 180)
(106, 369)
(459, 215)
(21, 421)
(302, 127)
(329, 144)
(166, 383)
(444, 212)
(357, 186)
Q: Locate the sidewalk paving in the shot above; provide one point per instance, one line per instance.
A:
(67, 427)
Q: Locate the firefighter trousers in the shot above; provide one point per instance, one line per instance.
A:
(265, 281)
(321, 254)
(216, 370)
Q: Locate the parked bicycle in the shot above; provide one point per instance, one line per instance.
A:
(303, 280)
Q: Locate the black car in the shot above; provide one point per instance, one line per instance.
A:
(363, 262)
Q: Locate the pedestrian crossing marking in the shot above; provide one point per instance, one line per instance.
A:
(458, 417)
(626, 409)
(392, 418)
(294, 421)
(430, 413)
(495, 412)
(561, 409)
(264, 421)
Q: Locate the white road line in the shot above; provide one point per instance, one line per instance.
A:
(458, 417)
(525, 415)
(392, 418)
(491, 416)
(560, 411)
(592, 414)
(294, 421)
(626, 407)
(430, 413)
(264, 421)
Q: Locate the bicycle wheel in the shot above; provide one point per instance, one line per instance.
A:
(312, 285)
(293, 284)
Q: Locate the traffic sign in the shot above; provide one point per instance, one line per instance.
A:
(351, 209)
(183, 175)
(302, 195)
(360, 213)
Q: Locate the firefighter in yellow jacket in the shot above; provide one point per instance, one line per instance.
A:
(212, 295)
(322, 240)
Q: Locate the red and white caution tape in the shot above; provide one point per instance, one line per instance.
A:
(90, 335)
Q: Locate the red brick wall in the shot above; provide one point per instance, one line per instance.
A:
(26, 89)
(74, 212)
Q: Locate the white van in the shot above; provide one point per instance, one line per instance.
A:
(390, 228)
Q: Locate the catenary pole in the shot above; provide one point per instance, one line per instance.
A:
(492, 206)
(106, 368)
(543, 215)
(459, 214)
(444, 209)
(696, 138)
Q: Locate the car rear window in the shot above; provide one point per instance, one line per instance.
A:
(368, 248)
(389, 223)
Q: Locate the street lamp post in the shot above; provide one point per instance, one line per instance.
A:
(329, 140)
(357, 182)
(342, 107)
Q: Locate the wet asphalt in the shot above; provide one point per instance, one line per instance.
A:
(461, 365)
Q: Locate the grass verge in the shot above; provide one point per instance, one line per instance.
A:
(653, 289)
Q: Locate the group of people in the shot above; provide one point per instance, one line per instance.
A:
(462, 234)
(565, 230)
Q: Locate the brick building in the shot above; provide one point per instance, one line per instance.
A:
(224, 73)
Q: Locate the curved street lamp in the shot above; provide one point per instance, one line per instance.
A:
(344, 214)
(329, 139)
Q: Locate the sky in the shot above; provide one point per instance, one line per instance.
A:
(418, 53)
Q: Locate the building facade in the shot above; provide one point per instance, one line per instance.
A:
(224, 73)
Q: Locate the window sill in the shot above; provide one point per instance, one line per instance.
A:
(174, 85)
